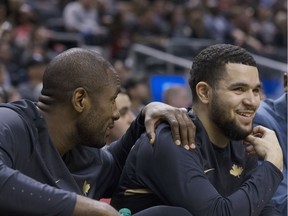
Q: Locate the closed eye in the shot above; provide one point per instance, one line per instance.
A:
(239, 89)
(123, 111)
(257, 90)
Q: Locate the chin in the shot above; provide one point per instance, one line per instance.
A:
(247, 129)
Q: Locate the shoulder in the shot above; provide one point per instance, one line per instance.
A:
(20, 119)
(23, 108)
(17, 131)
(264, 112)
(271, 111)
(164, 150)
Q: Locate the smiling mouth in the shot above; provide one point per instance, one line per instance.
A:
(246, 117)
(245, 114)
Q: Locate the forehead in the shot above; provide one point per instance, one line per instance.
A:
(241, 73)
(110, 77)
(107, 92)
(123, 100)
(110, 85)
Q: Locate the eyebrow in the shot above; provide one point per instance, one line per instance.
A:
(237, 84)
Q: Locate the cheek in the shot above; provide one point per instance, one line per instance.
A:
(122, 124)
(97, 120)
(118, 130)
(229, 104)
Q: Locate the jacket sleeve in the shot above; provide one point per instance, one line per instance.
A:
(270, 210)
(20, 194)
(120, 148)
(177, 177)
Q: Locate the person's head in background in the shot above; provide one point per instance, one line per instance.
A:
(123, 104)
(138, 91)
(177, 96)
(35, 67)
(122, 70)
(226, 88)
(7, 93)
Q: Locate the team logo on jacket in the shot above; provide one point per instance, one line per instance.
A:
(236, 170)
(86, 188)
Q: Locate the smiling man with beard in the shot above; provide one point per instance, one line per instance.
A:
(221, 176)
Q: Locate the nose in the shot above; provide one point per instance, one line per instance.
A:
(116, 114)
(252, 99)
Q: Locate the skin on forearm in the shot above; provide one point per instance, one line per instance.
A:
(89, 207)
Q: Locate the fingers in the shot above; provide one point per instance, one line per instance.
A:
(266, 145)
(183, 130)
(250, 150)
(191, 132)
(259, 131)
(150, 126)
(250, 139)
(182, 127)
(174, 125)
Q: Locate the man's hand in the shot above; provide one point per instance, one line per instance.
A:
(266, 145)
(88, 207)
(182, 127)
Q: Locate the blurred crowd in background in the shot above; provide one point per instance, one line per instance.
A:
(32, 32)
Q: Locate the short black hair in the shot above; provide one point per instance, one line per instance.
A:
(209, 65)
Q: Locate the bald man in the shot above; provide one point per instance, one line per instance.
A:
(50, 157)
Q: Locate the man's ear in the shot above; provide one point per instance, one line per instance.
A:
(80, 99)
(203, 91)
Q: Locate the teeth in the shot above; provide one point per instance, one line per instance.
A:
(245, 114)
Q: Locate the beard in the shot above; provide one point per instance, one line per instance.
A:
(88, 135)
(227, 125)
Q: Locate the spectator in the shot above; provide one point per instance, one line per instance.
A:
(25, 22)
(138, 92)
(123, 104)
(5, 24)
(31, 89)
(177, 96)
(82, 16)
(7, 92)
(123, 71)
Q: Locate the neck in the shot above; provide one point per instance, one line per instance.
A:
(215, 135)
(58, 131)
